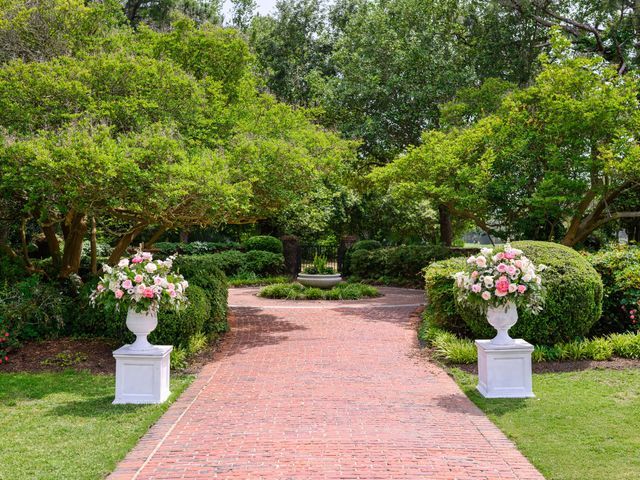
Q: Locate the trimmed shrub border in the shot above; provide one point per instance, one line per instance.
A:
(296, 291)
(453, 349)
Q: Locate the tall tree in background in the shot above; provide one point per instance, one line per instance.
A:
(242, 13)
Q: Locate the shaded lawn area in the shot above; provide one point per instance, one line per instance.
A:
(582, 425)
(63, 425)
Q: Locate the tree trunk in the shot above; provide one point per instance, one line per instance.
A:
(94, 247)
(76, 229)
(446, 228)
(23, 239)
(184, 236)
(155, 237)
(124, 243)
(49, 232)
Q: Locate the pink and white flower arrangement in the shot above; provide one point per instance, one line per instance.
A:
(141, 283)
(494, 279)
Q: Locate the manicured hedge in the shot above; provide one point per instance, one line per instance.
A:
(619, 268)
(203, 272)
(264, 243)
(573, 298)
(366, 245)
(402, 265)
(194, 248)
(177, 328)
(441, 295)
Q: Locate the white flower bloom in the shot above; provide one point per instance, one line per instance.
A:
(123, 263)
(488, 281)
(107, 269)
(151, 267)
(486, 251)
(481, 261)
(526, 278)
(471, 260)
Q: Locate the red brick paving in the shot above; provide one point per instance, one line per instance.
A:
(323, 390)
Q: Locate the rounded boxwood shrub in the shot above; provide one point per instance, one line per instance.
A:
(573, 298)
(263, 263)
(441, 294)
(176, 328)
(366, 245)
(265, 243)
(202, 271)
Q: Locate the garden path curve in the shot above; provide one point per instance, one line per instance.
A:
(324, 390)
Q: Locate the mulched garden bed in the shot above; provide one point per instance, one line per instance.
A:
(94, 355)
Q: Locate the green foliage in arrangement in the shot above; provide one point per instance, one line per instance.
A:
(264, 243)
(572, 298)
(402, 264)
(342, 291)
(619, 268)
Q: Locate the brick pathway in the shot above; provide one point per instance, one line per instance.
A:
(323, 390)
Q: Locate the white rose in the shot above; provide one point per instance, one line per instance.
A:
(471, 260)
(481, 261)
(151, 267)
(486, 251)
(488, 281)
(526, 278)
(123, 263)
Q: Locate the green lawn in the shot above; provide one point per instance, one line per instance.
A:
(63, 425)
(582, 425)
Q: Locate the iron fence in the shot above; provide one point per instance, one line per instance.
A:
(308, 252)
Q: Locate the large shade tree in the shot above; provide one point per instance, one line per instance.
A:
(152, 131)
(549, 163)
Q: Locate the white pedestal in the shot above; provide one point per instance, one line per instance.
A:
(142, 376)
(504, 371)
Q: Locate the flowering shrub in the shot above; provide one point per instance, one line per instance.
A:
(142, 284)
(4, 345)
(496, 279)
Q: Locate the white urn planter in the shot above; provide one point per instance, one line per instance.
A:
(319, 281)
(141, 324)
(142, 369)
(504, 363)
(502, 318)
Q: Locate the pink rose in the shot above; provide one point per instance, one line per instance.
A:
(499, 256)
(157, 280)
(146, 256)
(127, 284)
(501, 268)
(518, 263)
(100, 287)
(522, 289)
(119, 294)
(138, 278)
(173, 293)
(170, 286)
(475, 288)
(474, 274)
(511, 270)
(502, 285)
(512, 288)
(140, 289)
(486, 295)
(148, 292)
(136, 259)
(509, 255)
